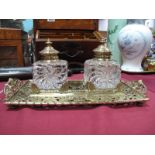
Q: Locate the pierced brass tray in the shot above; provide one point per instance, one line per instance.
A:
(19, 92)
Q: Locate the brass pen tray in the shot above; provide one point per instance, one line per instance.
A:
(19, 92)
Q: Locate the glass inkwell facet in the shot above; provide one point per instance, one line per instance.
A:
(50, 72)
(101, 70)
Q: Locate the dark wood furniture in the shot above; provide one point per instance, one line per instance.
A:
(74, 38)
(11, 49)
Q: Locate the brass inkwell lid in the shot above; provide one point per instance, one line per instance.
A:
(102, 51)
(49, 53)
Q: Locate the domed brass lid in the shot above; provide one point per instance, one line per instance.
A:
(102, 51)
(49, 53)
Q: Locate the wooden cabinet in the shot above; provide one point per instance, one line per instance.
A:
(11, 48)
(74, 38)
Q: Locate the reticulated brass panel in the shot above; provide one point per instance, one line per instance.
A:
(73, 93)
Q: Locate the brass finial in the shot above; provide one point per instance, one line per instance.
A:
(49, 53)
(102, 51)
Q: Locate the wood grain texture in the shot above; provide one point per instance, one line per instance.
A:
(81, 24)
(11, 52)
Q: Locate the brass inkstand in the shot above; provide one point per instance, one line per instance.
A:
(19, 93)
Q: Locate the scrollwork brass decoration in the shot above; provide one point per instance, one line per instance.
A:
(73, 93)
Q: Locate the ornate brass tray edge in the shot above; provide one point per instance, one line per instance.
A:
(75, 93)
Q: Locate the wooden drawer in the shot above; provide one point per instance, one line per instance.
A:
(77, 24)
(7, 33)
(65, 34)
